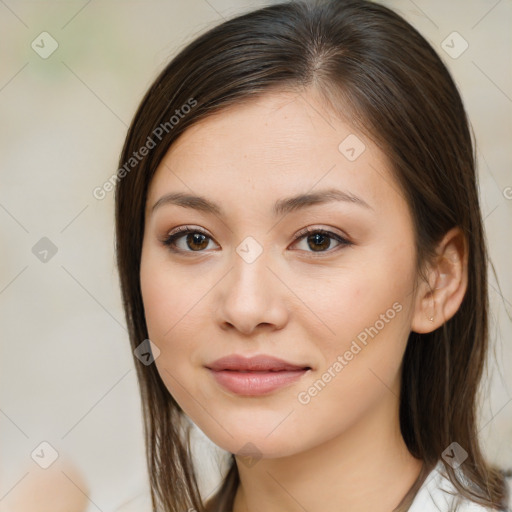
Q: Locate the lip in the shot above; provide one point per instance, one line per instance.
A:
(257, 375)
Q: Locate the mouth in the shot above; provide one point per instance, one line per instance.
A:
(258, 375)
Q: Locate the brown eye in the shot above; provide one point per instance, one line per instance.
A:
(320, 240)
(194, 240)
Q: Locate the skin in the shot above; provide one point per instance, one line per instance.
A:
(343, 449)
(59, 488)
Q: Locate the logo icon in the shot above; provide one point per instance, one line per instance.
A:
(454, 45)
(44, 45)
(249, 454)
(455, 455)
(147, 352)
(249, 249)
(44, 250)
(352, 147)
(44, 455)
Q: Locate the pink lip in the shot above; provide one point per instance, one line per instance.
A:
(256, 375)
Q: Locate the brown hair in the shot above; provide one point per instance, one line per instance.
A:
(375, 69)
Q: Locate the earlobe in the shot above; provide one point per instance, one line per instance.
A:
(440, 298)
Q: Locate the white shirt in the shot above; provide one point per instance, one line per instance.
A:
(434, 495)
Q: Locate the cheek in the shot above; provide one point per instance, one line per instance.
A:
(360, 366)
(368, 312)
(168, 306)
(355, 301)
(167, 294)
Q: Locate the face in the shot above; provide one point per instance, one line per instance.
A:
(281, 301)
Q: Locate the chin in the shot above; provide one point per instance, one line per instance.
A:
(248, 437)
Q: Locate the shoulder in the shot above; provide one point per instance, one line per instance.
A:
(437, 494)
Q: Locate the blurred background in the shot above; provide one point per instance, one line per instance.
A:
(71, 76)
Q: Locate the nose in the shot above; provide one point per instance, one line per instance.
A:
(251, 296)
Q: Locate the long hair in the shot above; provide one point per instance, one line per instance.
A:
(374, 69)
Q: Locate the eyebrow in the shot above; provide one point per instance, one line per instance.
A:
(281, 207)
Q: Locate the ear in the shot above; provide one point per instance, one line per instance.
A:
(440, 297)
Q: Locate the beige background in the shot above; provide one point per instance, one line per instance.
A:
(66, 370)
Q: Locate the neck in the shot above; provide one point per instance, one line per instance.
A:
(366, 468)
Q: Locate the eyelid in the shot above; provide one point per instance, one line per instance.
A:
(315, 229)
(185, 229)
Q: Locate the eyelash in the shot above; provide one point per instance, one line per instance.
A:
(170, 240)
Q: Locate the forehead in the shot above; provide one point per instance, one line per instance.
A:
(277, 127)
(274, 145)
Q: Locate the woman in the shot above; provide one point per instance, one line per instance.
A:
(299, 235)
